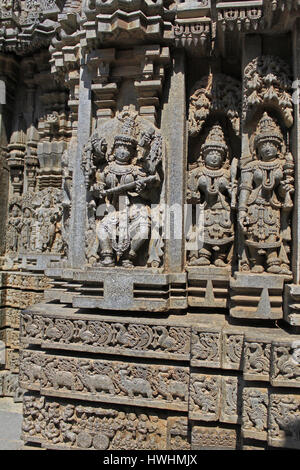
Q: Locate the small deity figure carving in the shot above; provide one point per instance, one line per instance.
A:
(265, 201)
(47, 218)
(14, 228)
(212, 184)
(26, 229)
(126, 182)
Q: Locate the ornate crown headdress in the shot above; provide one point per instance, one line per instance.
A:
(127, 134)
(268, 131)
(215, 140)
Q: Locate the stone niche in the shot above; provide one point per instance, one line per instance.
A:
(149, 225)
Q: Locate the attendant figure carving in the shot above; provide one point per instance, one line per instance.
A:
(265, 201)
(14, 228)
(212, 185)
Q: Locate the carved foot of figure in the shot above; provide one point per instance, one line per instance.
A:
(284, 269)
(257, 269)
(274, 269)
(220, 263)
(202, 261)
(107, 261)
(129, 261)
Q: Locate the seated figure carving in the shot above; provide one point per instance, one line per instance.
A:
(123, 190)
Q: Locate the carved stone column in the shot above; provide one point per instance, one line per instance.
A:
(174, 111)
(292, 292)
(3, 168)
(78, 216)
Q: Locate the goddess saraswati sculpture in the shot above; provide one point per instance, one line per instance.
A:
(265, 201)
(124, 183)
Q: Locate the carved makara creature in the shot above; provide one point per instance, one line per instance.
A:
(125, 181)
(213, 186)
(265, 201)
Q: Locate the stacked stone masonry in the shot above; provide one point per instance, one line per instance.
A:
(150, 222)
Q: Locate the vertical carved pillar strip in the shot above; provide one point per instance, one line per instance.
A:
(295, 147)
(3, 169)
(292, 291)
(77, 240)
(174, 129)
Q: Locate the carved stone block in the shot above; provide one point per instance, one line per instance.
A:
(105, 381)
(177, 433)
(206, 347)
(205, 396)
(255, 413)
(292, 304)
(12, 360)
(256, 359)
(232, 348)
(284, 419)
(213, 438)
(20, 299)
(10, 317)
(230, 409)
(285, 363)
(109, 289)
(257, 297)
(208, 287)
(64, 328)
(59, 425)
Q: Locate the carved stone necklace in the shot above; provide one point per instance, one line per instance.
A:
(121, 169)
(267, 168)
(213, 173)
(212, 188)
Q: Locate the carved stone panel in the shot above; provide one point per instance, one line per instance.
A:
(108, 382)
(284, 419)
(255, 413)
(206, 347)
(205, 395)
(214, 438)
(256, 360)
(59, 425)
(110, 335)
(285, 363)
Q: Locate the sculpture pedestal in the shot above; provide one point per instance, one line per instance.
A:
(208, 287)
(257, 296)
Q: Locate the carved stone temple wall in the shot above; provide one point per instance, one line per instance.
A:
(150, 222)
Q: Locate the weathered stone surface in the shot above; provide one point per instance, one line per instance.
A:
(149, 222)
(213, 438)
